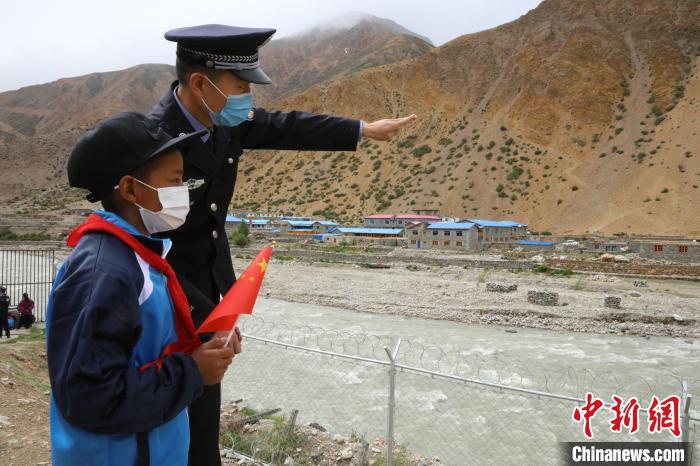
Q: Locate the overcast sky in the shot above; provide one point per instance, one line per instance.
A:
(44, 40)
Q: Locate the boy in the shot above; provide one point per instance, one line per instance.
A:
(124, 359)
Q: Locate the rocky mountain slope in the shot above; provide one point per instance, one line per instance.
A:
(578, 116)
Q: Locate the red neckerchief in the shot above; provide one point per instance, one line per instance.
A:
(187, 339)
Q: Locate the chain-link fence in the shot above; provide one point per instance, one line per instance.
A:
(451, 407)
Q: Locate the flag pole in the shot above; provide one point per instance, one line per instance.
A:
(264, 264)
(230, 334)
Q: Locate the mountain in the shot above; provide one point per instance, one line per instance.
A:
(326, 52)
(578, 116)
(39, 124)
(72, 103)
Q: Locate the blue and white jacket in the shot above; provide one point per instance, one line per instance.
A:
(109, 313)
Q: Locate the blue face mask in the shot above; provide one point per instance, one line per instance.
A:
(237, 109)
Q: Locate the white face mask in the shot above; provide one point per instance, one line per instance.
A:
(175, 202)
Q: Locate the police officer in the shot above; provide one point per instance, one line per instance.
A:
(215, 67)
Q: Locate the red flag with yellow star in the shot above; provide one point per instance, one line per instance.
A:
(240, 299)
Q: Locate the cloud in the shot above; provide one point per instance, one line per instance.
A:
(46, 40)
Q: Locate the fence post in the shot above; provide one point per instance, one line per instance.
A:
(392, 403)
(686, 399)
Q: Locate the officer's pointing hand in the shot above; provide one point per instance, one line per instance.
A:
(383, 130)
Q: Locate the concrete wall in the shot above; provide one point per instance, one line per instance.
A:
(364, 241)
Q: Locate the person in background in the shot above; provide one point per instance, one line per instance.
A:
(4, 310)
(26, 312)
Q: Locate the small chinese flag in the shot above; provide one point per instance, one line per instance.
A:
(240, 299)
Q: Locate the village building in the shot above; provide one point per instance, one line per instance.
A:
(687, 251)
(605, 246)
(363, 236)
(499, 231)
(397, 221)
(529, 245)
(442, 235)
(306, 227)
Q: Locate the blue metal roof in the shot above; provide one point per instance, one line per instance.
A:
(301, 223)
(296, 219)
(233, 218)
(450, 226)
(260, 222)
(535, 243)
(496, 223)
(330, 223)
(368, 231)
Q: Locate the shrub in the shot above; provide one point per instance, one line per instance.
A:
(240, 236)
(515, 173)
(422, 150)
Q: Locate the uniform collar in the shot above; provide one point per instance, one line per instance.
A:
(160, 245)
(196, 124)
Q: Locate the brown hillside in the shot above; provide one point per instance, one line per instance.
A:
(579, 116)
(39, 124)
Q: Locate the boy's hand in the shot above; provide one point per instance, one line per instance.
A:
(212, 359)
(236, 339)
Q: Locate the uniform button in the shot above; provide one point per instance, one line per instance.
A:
(181, 134)
(191, 202)
(213, 207)
(214, 234)
(230, 161)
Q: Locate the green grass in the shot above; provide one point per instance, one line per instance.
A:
(401, 458)
(8, 235)
(342, 248)
(269, 443)
(35, 334)
(22, 373)
(482, 276)
(553, 272)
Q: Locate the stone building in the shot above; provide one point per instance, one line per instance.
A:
(669, 250)
(461, 236)
(499, 231)
(397, 221)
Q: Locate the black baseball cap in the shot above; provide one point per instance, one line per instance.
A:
(114, 148)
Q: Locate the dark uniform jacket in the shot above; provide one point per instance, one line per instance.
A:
(4, 303)
(200, 254)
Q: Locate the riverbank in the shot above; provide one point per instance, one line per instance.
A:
(663, 307)
(25, 436)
